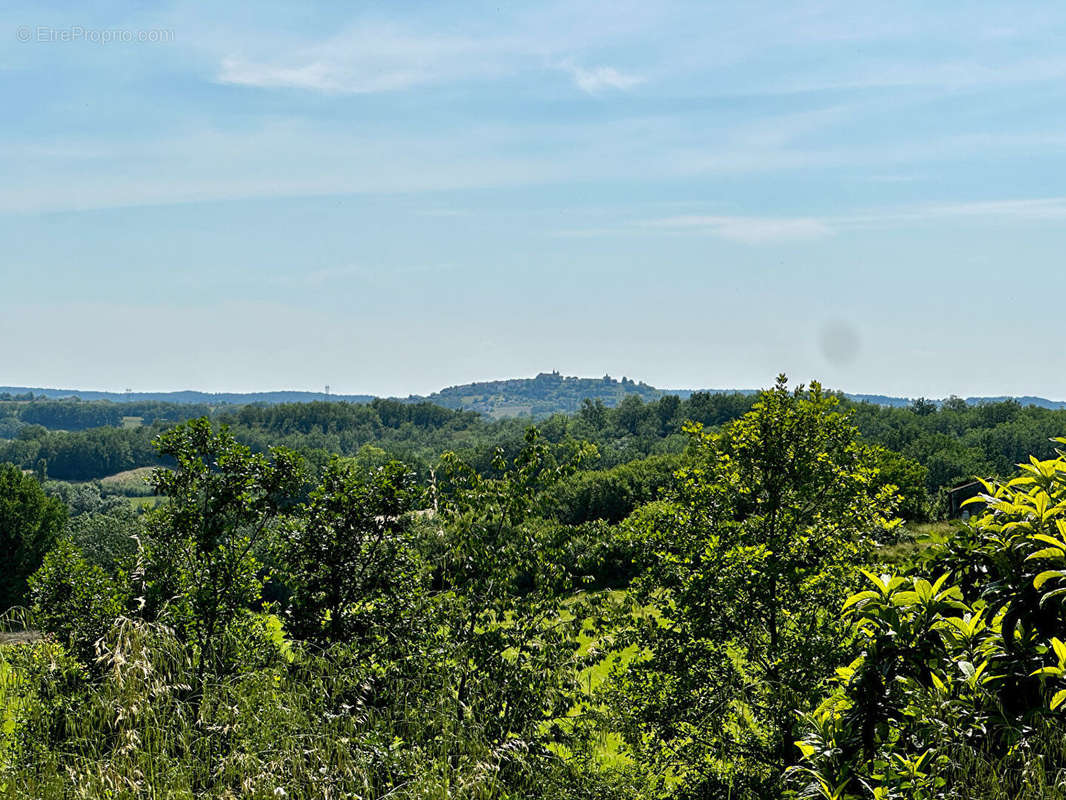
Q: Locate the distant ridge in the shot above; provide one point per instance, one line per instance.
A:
(545, 394)
(190, 396)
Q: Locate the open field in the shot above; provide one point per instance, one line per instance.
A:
(129, 477)
(131, 482)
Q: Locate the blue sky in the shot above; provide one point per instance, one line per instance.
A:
(390, 197)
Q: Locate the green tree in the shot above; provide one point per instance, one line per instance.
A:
(347, 554)
(750, 563)
(201, 572)
(907, 475)
(923, 407)
(107, 538)
(30, 522)
(511, 648)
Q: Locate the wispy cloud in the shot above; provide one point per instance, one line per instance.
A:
(372, 56)
(768, 230)
(749, 230)
(598, 79)
(314, 75)
(368, 58)
(1027, 209)
(1039, 209)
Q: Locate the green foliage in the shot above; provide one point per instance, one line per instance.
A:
(74, 600)
(967, 667)
(200, 571)
(30, 522)
(613, 494)
(414, 432)
(460, 703)
(513, 655)
(348, 557)
(547, 393)
(70, 414)
(41, 686)
(955, 441)
(103, 526)
(907, 476)
(82, 455)
(107, 538)
(768, 521)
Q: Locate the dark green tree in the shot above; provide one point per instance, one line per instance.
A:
(907, 475)
(923, 407)
(30, 522)
(348, 558)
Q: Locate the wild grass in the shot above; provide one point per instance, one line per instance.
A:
(1033, 770)
(914, 540)
(313, 724)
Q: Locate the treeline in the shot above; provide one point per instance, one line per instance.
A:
(73, 414)
(81, 455)
(953, 441)
(957, 441)
(369, 420)
(419, 432)
(416, 433)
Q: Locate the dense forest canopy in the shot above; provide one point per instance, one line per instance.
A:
(76, 440)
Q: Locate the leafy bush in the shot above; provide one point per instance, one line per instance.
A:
(74, 600)
(201, 574)
(30, 522)
(613, 494)
(969, 668)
